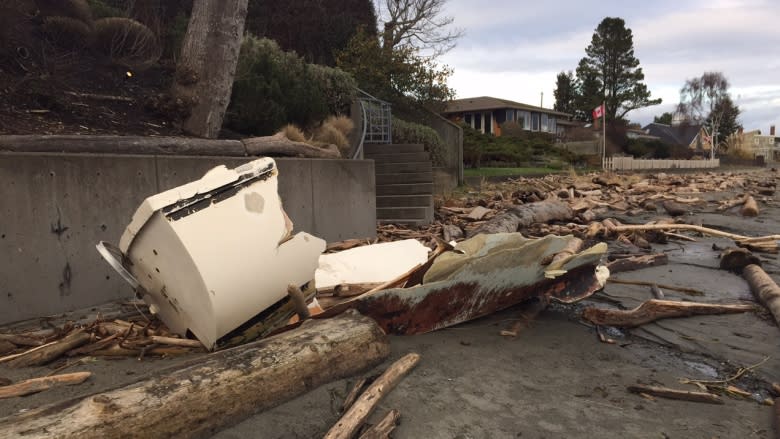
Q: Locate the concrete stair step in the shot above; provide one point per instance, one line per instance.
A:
(371, 148)
(406, 157)
(404, 189)
(404, 201)
(420, 177)
(413, 213)
(406, 222)
(402, 168)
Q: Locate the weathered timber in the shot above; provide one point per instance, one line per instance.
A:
(764, 288)
(655, 309)
(637, 262)
(736, 259)
(524, 215)
(122, 145)
(695, 228)
(35, 385)
(349, 424)
(171, 341)
(665, 392)
(688, 291)
(278, 144)
(217, 390)
(42, 355)
(353, 394)
(6, 347)
(673, 208)
(750, 207)
(384, 427)
(21, 340)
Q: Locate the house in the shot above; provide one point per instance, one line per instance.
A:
(486, 114)
(755, 144)
(689, 135)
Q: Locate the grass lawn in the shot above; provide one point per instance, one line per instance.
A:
(499, 172)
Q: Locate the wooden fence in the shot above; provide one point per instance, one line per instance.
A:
(632, 164)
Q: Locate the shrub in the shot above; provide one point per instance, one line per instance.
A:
(273, 87)
(409, 132)
(75, 9)
(100, 9)
(67, 32)
(126, 42)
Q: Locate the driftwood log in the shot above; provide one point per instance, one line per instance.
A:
(522, 216)
(764, 288)
(655, 309)
(750, 207)
(665, 392)
(122, 145)
(44, 354)
(383, 428)
(349, 424)
(218, 389)
(35, 385)
(637, 262)
(278, 144)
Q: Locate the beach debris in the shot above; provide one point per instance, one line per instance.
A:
(685, 395)
(353, 418)
(655, 309)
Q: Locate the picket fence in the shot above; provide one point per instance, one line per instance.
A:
(632, 164)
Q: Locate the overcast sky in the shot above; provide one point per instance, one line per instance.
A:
(514, 49)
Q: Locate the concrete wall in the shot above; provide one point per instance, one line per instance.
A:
(55, 207)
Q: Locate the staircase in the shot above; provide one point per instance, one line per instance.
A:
(404, 183)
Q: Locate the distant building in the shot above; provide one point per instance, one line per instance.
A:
(687, 135)
(755, 144)
(486, 114)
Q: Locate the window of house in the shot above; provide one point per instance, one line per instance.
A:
(524, 120)
(545, 118)
(553, 125)
(477, 122)
(488, 123)
(467, 119)
(534, 121)
(510, 115)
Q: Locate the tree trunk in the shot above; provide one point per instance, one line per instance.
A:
(209, 56)
(217, 390)
(525, 215)
(764, 288)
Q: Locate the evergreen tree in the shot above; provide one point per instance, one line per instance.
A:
(565, 92)
(611, 65)
(665, 118)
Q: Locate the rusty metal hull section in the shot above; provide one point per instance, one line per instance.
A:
(492, 274)
(436, 306)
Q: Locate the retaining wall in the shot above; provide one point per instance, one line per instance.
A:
(55, 207)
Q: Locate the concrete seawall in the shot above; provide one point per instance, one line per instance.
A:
(56, 206)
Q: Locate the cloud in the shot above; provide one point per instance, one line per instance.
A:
(514, 50)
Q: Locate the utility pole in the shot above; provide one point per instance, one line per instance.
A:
(541, 102)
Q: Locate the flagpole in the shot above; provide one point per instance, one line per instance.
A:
(604, 139)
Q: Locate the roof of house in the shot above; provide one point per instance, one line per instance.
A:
(683, 134)
(490, 103)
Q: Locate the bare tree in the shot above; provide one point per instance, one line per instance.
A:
(209, 55)
(701, 100)
(417, 23)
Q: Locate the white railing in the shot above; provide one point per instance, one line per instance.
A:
(632, 164)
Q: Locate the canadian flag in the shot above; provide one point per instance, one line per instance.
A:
(598, 112)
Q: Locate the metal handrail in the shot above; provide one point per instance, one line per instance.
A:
(359, 150)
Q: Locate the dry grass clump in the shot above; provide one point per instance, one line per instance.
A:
(328, 133)
(341, 123)
(293, 133)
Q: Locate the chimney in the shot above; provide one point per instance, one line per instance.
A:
(771, 130)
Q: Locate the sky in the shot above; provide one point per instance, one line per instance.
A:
(514, 49)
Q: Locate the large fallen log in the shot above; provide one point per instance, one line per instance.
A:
(764, 288)
(220, 389)
(655, 309)
(524, 215)
(278, 144)
(349, 424)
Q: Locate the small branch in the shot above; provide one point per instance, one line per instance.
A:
(183, 342)
(688, 291)
(665, 392)
(35, 385)
(348, 425)
(384, 427)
